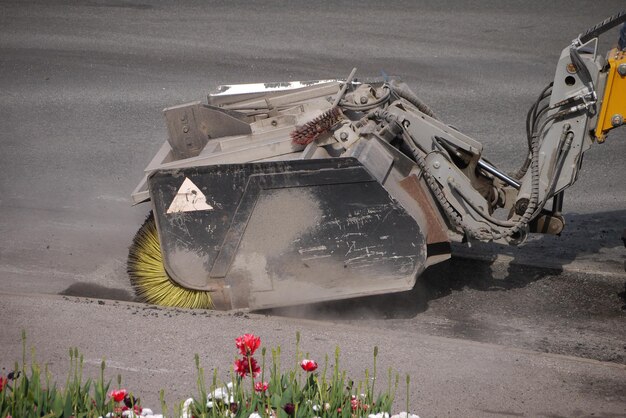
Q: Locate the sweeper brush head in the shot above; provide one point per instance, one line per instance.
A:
(315, 128)
(149, 278)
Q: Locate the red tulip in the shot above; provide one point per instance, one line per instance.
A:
(242, 367)
(261, 386)
(118, 395)
(308, 365)
(247, 344)
(3, 381)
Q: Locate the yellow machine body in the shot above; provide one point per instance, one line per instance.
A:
(613, 111)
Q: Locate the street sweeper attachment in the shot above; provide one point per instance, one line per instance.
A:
(288, 193)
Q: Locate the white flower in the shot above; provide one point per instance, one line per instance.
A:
(187, 408)
(315, 407)
(379, 415)
(222, 394)
(145, 412)
(254, 415)
(405, 415)
(219, 394)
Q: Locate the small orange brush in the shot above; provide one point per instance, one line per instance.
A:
(313, 129)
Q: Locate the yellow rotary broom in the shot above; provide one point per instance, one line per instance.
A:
(149, 278)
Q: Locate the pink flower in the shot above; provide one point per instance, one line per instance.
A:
(3, 382)
(242, 367)
(261, 386)
(308, 365)
(247, 344)
(356, 403)
(118, 395)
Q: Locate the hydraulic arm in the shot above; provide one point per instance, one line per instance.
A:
(585, 101)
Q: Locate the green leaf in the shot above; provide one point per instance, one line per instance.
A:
(57, 405)
(275, 401)
(67, 411)
(282, 413)
(287, 396)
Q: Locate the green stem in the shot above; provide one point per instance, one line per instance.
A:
(263, 364)
(23, 352)
(372, 393)
(408, 384)
(251, 373)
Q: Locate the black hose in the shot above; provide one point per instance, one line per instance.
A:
(369, 106)
(532, 118)
(565, 143)
(602, 27)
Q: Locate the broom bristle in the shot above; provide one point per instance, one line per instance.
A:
(149, 278)
(313, 129)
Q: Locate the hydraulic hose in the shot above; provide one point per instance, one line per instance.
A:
(401, 90)
(565, 144)
(534, 194)
(602, 27)
(533, 116)
(363, 108)
(481, 212)
(499, 229)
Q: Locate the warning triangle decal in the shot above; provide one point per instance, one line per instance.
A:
(189, 198)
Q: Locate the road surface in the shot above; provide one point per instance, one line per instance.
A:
(81, 90)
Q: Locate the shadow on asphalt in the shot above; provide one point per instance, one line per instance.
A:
(587, 237)
(92, 290)
(585, 234)
(436, 282)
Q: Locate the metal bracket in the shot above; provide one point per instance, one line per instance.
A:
(192, 125)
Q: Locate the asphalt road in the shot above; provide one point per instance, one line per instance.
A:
(82, 86)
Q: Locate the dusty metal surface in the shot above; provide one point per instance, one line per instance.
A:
(281, 233)
(192, 125)
(437, 230)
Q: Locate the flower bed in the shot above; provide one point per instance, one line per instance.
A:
(257, 390)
